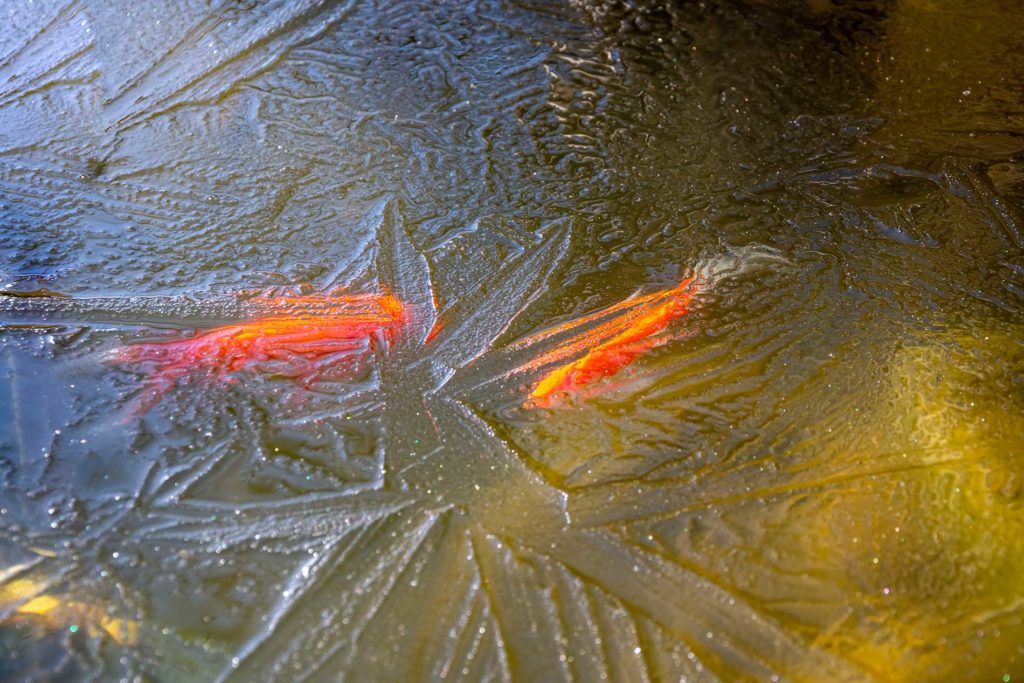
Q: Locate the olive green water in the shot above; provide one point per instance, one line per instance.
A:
(819, 479)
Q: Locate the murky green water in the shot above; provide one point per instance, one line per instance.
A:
(816, 476)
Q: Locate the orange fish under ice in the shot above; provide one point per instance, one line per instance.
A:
(300, 336)
(610, 339)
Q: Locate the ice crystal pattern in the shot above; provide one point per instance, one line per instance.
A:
(817, 479)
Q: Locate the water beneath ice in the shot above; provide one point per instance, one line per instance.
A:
(816, 474)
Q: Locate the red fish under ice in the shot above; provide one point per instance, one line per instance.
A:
(302, 336)
(611, 339)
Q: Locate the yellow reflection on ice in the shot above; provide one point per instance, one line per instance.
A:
(27, 601)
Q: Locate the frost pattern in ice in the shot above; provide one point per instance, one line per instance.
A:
(811, 474)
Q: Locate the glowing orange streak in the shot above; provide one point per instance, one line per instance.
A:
(631, 303)
(305, 330)
(612, 345)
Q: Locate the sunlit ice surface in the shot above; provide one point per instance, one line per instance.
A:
(804, 465)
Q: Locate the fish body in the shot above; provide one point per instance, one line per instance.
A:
(303, 337)
(603, 343)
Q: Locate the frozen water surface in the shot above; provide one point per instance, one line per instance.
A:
(808, 470)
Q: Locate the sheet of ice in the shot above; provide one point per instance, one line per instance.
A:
(811, 475)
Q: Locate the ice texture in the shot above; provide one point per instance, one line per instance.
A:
(807, 470)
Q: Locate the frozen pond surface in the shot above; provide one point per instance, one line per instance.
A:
(523, 447)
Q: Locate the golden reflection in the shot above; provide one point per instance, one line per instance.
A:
(930, 558)
(27, 601)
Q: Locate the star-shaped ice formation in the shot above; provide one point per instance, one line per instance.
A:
(456, 553)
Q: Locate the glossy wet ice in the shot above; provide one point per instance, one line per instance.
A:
(815, 477)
